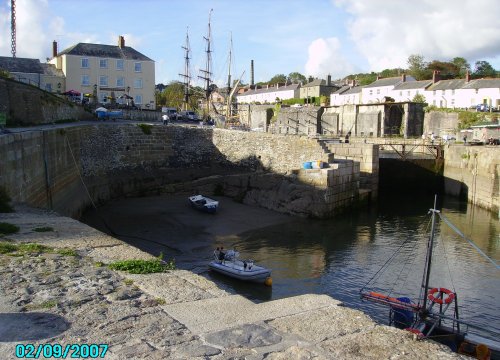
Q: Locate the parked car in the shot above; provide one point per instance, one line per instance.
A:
(482, 107)
(189, 116)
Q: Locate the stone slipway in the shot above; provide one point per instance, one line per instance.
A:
(52, 298)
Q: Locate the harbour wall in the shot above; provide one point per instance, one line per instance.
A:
(473, 172)
(71, 168)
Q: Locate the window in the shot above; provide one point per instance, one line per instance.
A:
(453, 92)
(409, 93)
(103, 80)
(453, 102)
(138, 83)
(48, 87)
(138, 67)
(434, 93)
(119, 64)
(103, 63)
(104, 97)
(378, 91)
(85, 63)
(85, 80)
(120, 81)
(138, 99)
(477, 91)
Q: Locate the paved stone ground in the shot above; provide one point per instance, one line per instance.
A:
(48, 297)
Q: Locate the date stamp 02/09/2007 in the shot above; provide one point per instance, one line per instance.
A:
(58, 351)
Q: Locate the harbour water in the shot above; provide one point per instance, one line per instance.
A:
(337, 257)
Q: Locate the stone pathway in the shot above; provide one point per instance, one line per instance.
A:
(50, 297)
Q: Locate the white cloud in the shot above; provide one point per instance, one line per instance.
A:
(386, 32)
(325, 57)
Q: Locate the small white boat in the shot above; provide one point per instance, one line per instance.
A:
(204, 203)
(245, 270)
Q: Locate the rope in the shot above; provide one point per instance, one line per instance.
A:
(468, 240)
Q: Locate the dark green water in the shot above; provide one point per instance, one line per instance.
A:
(340, 256)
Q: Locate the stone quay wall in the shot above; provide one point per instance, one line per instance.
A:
(60, 168)
(27, 105)
(474, 172)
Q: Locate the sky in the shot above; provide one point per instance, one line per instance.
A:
(313, 37)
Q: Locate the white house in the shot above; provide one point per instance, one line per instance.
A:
(480, 91)
(269, 94)
(406, 91)
(347, 95)
(377, 91)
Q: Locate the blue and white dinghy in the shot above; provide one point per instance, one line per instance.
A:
(204, 203)
(229, 264)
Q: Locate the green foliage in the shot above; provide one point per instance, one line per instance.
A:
(6, 228)
(143, 266)
(276, 111)
(4, 201)
(146, 128)
(484, 69)
(419, 98)
(417, 67)
(33, 248)
(4, 74)
(468, 118)
(323, 100)
(293, 101)
(43, 229)
(67, 252)
(462, 65)
(296, 77)
(30, 248)
(278, 78)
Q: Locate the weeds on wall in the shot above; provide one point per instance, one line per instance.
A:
(7, 228)
(146, 128)
(5, 206)
(156, 265)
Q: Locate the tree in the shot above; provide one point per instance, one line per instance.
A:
(484, 69)
(447, 70)
(417, 66)
(296, 77)
(279, 78)
(419, 98)
(462, 65)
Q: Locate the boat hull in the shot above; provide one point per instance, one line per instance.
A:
(204, 204)
(237, 270)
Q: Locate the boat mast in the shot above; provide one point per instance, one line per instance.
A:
(186, 76)
(207, 72)
(228, 112)
(428, 258)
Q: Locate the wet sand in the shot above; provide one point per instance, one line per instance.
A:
(170, 225)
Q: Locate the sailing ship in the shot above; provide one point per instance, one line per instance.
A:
(436, 314)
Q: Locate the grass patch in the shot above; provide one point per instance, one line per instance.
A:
(160, 301)
(6, 248)
(143, 266)
(146, 128)
(128, 281)
(4, 201)
(45, 305)
(6, 228)
(66, 252)
(98, 264)
(32, 248)
(43, 229)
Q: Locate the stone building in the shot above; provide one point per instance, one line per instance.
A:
(318, 87)
(30, 71)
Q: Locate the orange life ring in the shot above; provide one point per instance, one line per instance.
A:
(437, 299)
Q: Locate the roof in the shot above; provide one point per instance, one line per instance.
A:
(447, 85)
(482, 84)
(408, 85)
(354, 90)
(50, 69)
(342, 90)
(21, 65)
(271, 89)
(390, 81)
(104, 51)
(319, 82)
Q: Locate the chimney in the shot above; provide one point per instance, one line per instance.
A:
(467, 76)
(403, 77)
(54, 49)
(311, 79)
(329, 80)
(251, 73)
(435, 76)
(121, 42)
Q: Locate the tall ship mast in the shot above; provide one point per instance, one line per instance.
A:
(186, 76)
(207, 72)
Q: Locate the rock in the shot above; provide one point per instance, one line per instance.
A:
(125, 294)
(249, 336)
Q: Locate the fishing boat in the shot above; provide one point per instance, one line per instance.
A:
(229, 264)
(204, 203)
(436, 314)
